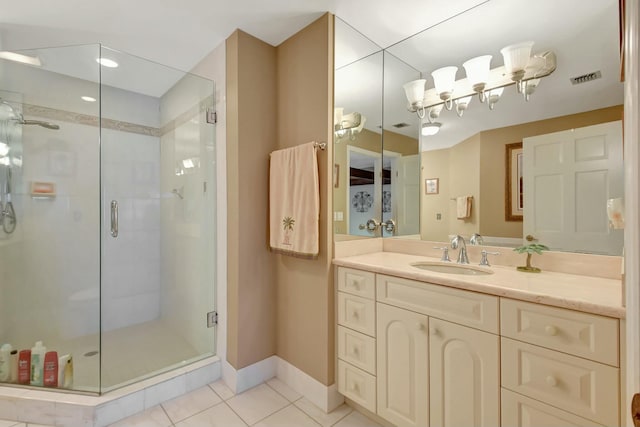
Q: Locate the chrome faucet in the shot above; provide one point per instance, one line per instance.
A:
(476, 239)
(458, 240)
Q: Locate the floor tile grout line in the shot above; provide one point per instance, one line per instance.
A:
(345, 415)
(238, 415)
(194, 414)
(281, 394)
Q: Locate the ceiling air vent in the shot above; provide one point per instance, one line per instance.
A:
(401, 125)
(586, 77)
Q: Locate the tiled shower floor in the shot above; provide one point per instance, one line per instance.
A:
(127, 354)
(271, 404)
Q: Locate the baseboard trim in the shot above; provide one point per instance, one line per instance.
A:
(324, 397)
(249, 376)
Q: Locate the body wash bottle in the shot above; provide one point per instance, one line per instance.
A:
(24, 367)
(37, 363)
(50, 371)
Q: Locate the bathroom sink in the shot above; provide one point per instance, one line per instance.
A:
(441, 267)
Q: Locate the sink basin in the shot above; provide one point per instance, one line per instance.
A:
(441, 267)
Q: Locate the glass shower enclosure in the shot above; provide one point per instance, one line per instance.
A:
(107, 218)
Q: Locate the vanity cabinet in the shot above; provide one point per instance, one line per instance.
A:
(403, 366)
(420, 354)
(464, 380)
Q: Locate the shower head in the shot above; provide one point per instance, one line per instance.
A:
(47, 125)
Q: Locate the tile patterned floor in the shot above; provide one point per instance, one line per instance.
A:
(271, 404)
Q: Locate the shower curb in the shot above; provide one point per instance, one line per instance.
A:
(71, 410)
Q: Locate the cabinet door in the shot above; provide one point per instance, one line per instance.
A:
(464, 376)
(403, 363)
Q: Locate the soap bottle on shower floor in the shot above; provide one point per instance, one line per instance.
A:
(37, 363)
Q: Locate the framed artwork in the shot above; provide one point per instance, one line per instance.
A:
(514, 191)
(432, 186)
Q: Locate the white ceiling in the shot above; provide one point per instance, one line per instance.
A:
(181, 33)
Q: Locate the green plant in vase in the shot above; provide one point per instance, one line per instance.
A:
(533, 248)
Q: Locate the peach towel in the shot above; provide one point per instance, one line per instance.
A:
(294, 201)
(463, 206)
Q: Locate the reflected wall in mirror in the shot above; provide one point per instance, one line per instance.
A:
(467, 155)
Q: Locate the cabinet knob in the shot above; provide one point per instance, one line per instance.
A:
(355, 351)
(419, 326)
(551, 330)
(551, 381)
(355, 284)
(355, 388)
(435, 332)
(355, 314)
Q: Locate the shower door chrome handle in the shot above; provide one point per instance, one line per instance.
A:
(114, 218)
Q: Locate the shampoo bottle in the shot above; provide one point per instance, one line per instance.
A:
(37, 363)
(5, 363)
(14, 366)
(24, 367)
(50, 369)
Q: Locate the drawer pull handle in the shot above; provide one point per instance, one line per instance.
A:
(435, 332)
(355, 283)
(419, 326)
(551, 330)
(551, 381)
(355, 351)
(355, 388)
(355, 315)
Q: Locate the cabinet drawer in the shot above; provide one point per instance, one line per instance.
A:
(521, 411)
(357, 282)
(582, 334)
(464, 307)
(357, 313)
(580, 386)
(357, 349)
(357, 385)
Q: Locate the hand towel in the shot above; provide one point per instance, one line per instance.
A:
(294, 201)
(463, 206)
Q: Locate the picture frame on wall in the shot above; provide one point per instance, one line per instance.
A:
(432, 186)
(514, 189)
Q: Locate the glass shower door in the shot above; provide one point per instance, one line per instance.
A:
(158, 219)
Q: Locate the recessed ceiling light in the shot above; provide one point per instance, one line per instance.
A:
(88, 98)
(18, 57)
(110, 63)
(429, 129)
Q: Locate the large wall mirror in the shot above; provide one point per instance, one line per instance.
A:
(546, 168)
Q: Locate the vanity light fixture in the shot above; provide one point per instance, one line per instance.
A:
(347, 125)
(444, 79)
(520, 68)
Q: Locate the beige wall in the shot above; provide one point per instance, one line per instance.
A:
(492, 163)
(305, 294)
(278, 97)
(251, 136)
(435, 164)
(370, 141)
(464, 180)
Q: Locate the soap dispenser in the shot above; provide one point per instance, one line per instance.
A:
(5, 363)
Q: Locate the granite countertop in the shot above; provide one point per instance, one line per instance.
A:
(583, 293)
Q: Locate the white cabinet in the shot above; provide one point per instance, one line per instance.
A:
(464, 376)
(420, 354)
(403, 363)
